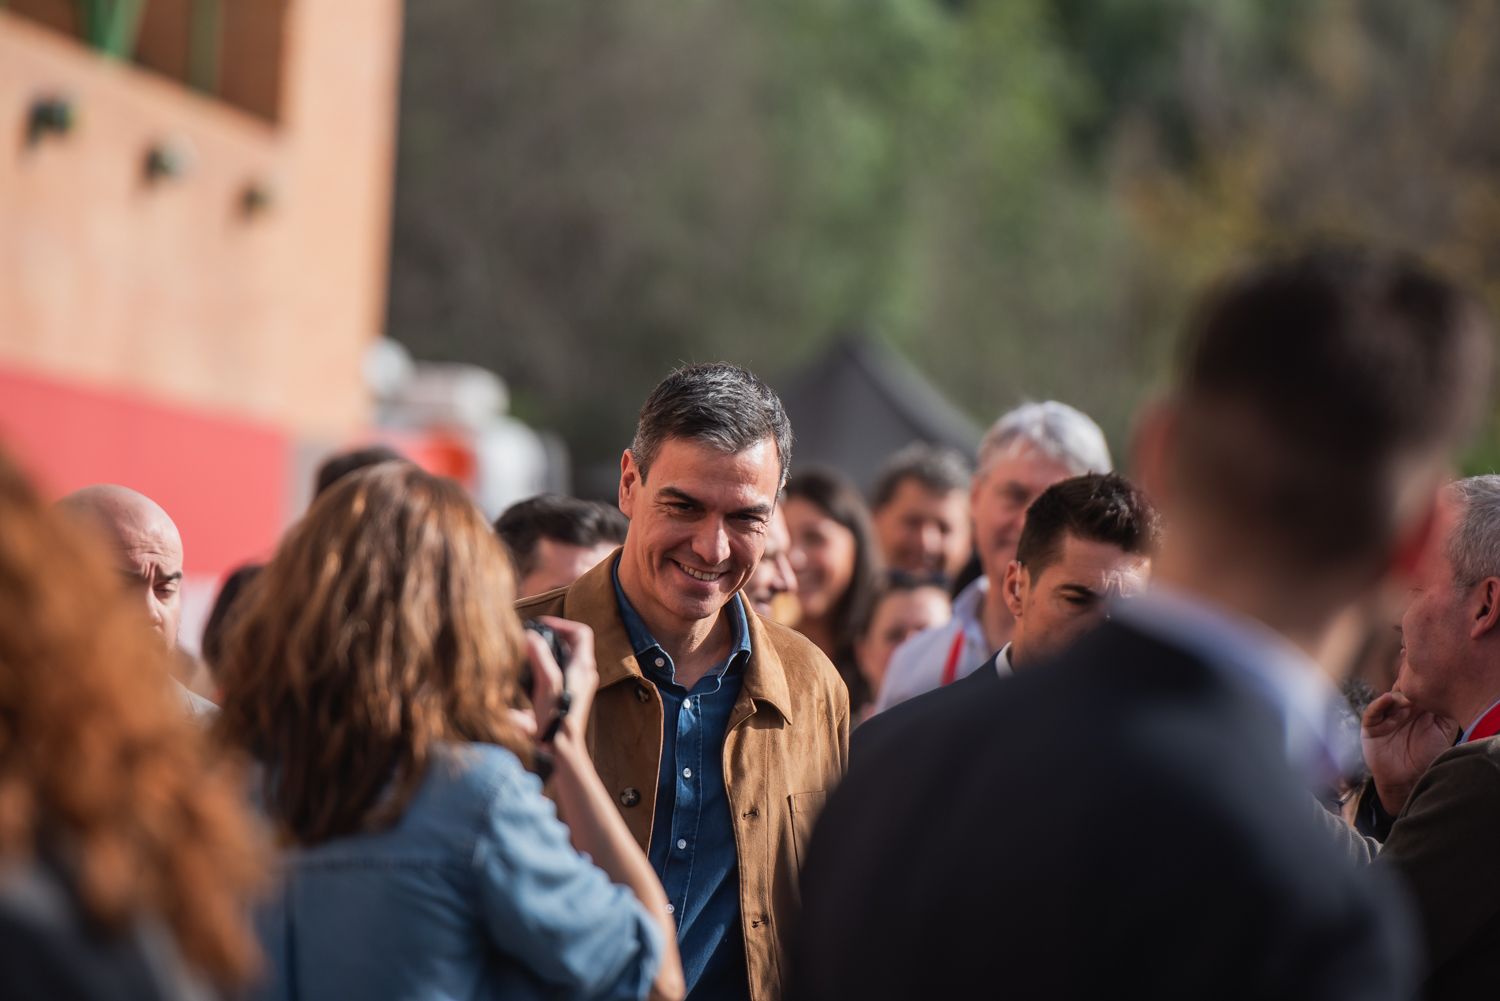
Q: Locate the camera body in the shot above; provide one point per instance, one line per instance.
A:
(555, 644)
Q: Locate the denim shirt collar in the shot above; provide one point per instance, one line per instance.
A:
(644, 645)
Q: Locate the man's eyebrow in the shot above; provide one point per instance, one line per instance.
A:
(680, 495)
(1080, 590)
(171, 578)
(757, 510)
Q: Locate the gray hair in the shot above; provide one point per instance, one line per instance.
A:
(940, 470)
(717, 404)
(1054, 429)
(1474, 544)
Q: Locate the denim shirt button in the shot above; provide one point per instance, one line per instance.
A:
(630, 796)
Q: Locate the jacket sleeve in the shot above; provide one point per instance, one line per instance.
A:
(551, 909)
(1444, 844)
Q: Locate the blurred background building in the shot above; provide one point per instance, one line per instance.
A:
(194, 227)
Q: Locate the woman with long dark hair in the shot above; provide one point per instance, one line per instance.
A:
(837, 565)
(372, 675)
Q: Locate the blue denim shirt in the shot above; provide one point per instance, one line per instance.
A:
(692, 832)
(475, 893)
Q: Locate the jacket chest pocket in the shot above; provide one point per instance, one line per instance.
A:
(804, 808)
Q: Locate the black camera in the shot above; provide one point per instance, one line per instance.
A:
(554, 643)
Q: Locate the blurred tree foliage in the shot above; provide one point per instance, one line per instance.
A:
(1020, 194)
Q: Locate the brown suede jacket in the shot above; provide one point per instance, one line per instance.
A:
(786, 747)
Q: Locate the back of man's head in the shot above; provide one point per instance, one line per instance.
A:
(1105, 508)
(585, 524)
(715, 404)
(341, 465)
(1311, 393)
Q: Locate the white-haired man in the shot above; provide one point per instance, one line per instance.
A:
(1445, 794)
(1026, 451)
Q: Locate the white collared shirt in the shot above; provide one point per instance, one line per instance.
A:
(1004, 666)
(917, 665)
(1311, 709)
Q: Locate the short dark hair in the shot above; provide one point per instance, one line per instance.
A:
(1308, 384)
(338, 466)
(221, 617)
(563, 519)
(1096, 507)
(716, 404)
(939, 470)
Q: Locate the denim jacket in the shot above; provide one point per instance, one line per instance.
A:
(475, 893)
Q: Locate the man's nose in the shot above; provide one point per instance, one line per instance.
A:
(931, 539)
(155, 613)
(711, 545)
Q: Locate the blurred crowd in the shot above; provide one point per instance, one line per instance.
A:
(1009, 724)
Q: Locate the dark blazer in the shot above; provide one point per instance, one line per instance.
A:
(901, 718)
(1119, 822)
(1444, 844)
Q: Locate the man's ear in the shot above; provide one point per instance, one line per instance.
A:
(1012, 587)
(630, 482)
(1486, 607)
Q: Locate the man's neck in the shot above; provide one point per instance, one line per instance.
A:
(994, 617)
(695, 646)
(1467, 707)
(1330, 635)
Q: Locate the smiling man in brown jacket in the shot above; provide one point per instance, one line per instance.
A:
(718, 732)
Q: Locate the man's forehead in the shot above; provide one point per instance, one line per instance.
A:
(916, 491)
(702, 471)
(1090, 557)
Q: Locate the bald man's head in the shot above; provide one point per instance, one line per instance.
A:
(146, 546)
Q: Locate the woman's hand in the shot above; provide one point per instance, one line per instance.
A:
(581, 677)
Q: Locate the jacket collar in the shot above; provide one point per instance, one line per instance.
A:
(591, 599)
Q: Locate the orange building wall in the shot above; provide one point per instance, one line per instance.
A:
(171, 290)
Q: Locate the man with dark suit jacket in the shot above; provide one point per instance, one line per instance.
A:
(1133, 817)
(1087, 540)
(1433, 752)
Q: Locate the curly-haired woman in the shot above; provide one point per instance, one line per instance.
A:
(371, 674)
(127, 854)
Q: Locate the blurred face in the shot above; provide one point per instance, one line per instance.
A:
(559, 564)
(824, 554)
(899, 614)
(150, 564)
(1435, 635)
(1068, 597)
(999, 499)
(773, 574)
(697, 528)
(924, 531)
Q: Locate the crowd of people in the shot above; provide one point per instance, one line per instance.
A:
(1023, 727)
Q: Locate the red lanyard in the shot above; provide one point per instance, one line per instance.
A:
(950, 669)
(1488, 725)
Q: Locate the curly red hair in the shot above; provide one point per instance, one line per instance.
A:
(101, 770)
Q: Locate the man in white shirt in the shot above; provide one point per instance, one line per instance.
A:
(1024, 452)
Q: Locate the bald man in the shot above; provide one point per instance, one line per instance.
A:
(148, 553)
